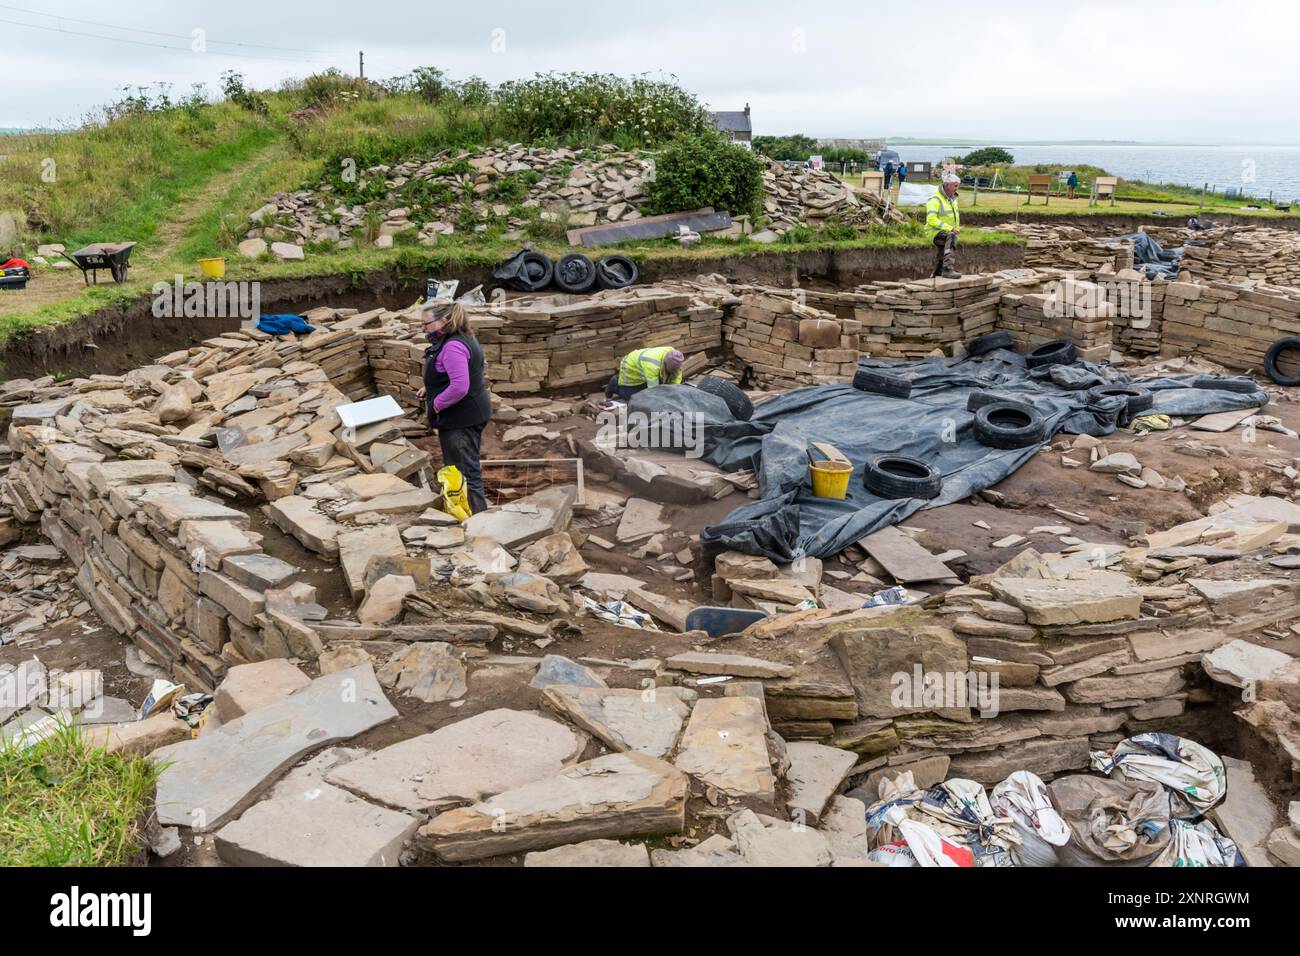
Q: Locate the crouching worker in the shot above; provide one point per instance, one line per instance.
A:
(645, 368)
(455, 392)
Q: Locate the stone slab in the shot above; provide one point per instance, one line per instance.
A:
(617, 795)
(213, 779)
(466, 761)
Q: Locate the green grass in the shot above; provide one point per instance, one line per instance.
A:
(64, 802)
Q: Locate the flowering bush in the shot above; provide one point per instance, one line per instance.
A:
(598, 107)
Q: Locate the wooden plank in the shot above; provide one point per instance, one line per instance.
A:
(903, 558)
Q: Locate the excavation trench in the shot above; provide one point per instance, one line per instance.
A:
(117, 339)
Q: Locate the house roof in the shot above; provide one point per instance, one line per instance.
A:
(733, 121)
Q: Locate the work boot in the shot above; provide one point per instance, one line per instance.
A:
(949, 274)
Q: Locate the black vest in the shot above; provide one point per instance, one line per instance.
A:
(476, 407)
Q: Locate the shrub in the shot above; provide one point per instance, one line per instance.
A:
(580, 108)
(232, 84)
(707, 170)
(988, 156)
(326, 88)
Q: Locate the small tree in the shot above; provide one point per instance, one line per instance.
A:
(988, 156)
(706, 170)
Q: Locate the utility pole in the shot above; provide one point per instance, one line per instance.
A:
(361, 64)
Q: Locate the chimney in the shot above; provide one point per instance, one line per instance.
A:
(746, 109)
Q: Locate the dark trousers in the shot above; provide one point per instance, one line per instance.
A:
(945, 251)
(625, 392)
(889, 177)
(460, 447)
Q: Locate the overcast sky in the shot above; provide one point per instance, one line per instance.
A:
(1191, 71)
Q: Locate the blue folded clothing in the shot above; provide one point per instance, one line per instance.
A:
(283, 325)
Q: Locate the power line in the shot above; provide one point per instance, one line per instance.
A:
(159, 46)
(170, 36)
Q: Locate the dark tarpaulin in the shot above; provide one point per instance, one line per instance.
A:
(933, 424)
(1149, 257)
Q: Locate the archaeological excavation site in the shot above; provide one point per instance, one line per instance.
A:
(999, 570)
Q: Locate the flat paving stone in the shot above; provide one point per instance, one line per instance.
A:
(212, 779)
(466, 761)
(725, 746)
(623, 718)
(613, 796)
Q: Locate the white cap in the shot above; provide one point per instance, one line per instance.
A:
(951, 178)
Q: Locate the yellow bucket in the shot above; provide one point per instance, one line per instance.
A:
(830, 479)
(213, 268)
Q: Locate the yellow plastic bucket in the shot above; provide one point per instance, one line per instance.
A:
(830, 479)
(213, 268)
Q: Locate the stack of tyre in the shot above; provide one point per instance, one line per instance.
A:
(574, 273)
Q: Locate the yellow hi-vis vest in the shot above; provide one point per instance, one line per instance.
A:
(646, 367)
(941, 214)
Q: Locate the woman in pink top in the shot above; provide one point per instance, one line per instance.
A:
(455, 392)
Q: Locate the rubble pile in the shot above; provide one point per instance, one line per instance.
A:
(456, 189)
(469, 192)
(36, 592)
(816, 198)
(147, 482)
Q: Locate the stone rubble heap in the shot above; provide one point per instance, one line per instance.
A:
(817, 198)
(462, 191)
(435, 196)
(147, 481)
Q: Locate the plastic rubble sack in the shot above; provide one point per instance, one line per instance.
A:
(895, 792)
(928, 846)
(455, 501)
(1023, 798)
(964, 806)
(620, 613)
(893, 854)
(1194, 775)
(1112, 822)
(1199, 844)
